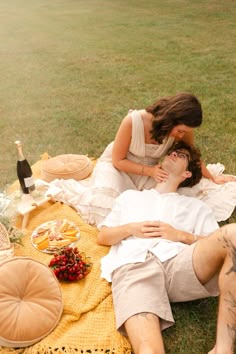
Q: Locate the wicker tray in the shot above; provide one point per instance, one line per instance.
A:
(6, 249)
(4, 238)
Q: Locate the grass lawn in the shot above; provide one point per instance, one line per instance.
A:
(71, 69)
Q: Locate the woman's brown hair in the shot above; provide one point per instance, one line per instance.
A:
(182, 108)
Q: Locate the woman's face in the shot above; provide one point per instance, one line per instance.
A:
(179, 131)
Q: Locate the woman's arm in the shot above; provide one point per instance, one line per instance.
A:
(205, 172)
(120, 150)
(189, 139)
(221, 179)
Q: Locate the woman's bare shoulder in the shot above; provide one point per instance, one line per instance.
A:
(147, 119)
(144, 115)
(127, 120)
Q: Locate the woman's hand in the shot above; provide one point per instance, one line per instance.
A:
(159, 174)
(221, 179)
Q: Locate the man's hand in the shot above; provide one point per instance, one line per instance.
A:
(149, 229)
(162, 230)
(109, 236)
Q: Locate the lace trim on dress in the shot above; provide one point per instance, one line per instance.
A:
(96, 203)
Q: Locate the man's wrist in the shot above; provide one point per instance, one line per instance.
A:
(186, 237)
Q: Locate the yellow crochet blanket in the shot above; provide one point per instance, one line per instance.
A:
(87, 324)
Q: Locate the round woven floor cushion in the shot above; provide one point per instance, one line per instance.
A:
(30, 302)
(66, 166)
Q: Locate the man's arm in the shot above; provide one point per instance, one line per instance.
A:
(109, 236)
(166, 231)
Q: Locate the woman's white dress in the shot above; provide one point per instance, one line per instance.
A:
(94, 198)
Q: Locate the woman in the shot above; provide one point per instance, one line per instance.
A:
(167, 120)
(132, 161)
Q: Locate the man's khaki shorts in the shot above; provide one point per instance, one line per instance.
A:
(152, 285)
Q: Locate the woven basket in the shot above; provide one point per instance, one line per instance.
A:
(6, 249)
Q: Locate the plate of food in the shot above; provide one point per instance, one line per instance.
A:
(54, 235)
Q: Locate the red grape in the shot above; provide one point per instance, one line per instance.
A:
(68, 264)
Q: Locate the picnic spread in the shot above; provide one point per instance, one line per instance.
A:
(87, 322)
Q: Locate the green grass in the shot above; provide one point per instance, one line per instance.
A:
(71, 69)
(195, 327)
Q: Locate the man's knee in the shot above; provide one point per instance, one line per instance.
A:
(228, 238)
(229, 230)
(210, 253)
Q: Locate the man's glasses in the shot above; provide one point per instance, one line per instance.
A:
(182, 155)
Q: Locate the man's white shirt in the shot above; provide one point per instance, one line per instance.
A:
(181, 212)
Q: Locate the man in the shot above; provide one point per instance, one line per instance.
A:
(155, 259)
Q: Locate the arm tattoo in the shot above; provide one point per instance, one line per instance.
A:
(232, 248)
(232, 310)
(232, 304)
(232, 332)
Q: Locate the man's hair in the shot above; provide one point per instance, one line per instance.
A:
(168, 112)
(194, 164)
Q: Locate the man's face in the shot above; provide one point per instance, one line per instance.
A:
(176, 162)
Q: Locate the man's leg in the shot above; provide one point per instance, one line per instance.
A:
(217, 253)
(140, 299)
(144, 333)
